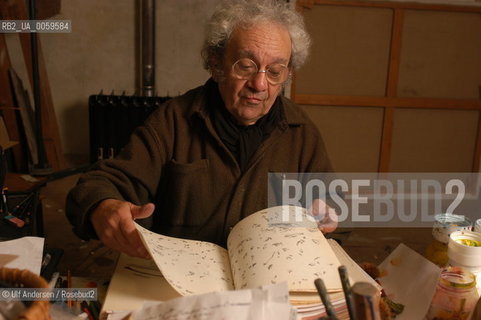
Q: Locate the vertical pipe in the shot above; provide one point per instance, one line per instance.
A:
(42, 166)
(148, 47)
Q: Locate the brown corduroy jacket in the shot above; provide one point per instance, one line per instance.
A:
(178, 162)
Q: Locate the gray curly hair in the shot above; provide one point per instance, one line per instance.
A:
(234, 13)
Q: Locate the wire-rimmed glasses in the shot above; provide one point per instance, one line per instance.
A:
(246, 69)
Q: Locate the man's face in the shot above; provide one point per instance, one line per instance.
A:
(265, 44)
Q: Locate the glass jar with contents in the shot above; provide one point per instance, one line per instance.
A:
(444, 225)
(464, 250)
(455, 295)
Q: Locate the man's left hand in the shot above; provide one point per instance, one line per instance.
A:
(325, 216)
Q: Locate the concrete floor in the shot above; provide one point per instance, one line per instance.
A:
(92, 259)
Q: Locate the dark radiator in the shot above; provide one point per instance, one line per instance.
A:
(112, 118)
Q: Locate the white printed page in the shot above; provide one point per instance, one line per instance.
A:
(267, 303)
(263, 251)
(190, 266)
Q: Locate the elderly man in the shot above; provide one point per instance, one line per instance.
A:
(200, 162)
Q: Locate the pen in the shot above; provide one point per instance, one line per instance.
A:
(346, 287)
(321, 289)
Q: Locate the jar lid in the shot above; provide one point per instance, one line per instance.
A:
(464, 249)
(449, 219)
(457, 277)
(447, 223)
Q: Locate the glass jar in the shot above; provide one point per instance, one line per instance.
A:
(455, 295)
(464, 250)
(444, 225)
(477, 226)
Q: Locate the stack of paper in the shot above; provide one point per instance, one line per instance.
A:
(259, 253)
(267, 303)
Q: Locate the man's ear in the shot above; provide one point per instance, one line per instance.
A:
(216, 69)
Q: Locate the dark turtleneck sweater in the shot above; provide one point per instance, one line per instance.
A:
(241, 140)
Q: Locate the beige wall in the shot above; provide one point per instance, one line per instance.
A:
(439, 59)
(101, 54)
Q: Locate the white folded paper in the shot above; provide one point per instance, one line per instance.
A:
(23, 253)
(265, 303)
(410, 279)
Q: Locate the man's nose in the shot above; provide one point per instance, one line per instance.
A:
(259, 81)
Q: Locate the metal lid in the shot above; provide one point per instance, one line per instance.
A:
(457, 277)
(447, 223)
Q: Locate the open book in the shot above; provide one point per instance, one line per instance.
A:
(261, 249)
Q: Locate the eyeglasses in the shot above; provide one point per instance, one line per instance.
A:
(246, 69)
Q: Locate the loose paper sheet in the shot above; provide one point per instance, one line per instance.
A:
(135, 280)
(190, 266)
(23, 253)
(266, 303)
(410, 279)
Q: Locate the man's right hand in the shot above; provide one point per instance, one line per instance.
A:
(113, 220)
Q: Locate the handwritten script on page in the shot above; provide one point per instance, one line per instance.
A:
(260, 251)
